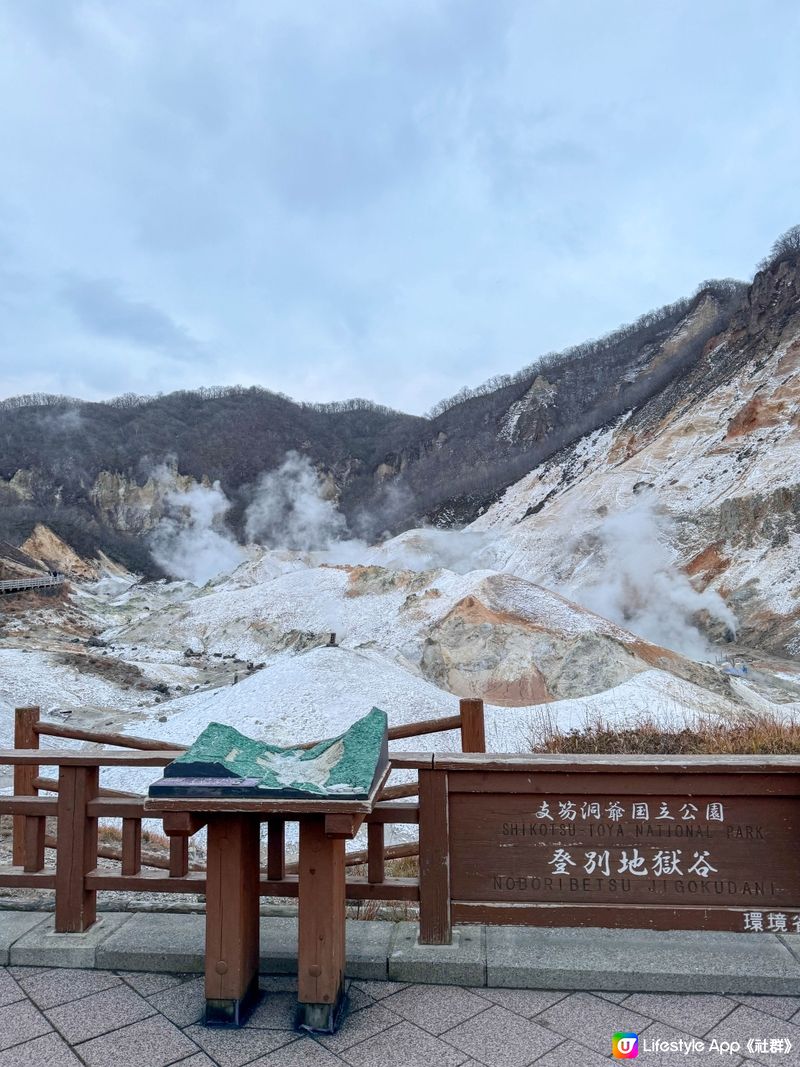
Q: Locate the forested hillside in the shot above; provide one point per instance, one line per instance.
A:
(84, 468)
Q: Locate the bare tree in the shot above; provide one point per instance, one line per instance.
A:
(787, 246)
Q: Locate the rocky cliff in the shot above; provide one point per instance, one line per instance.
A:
(711, 466)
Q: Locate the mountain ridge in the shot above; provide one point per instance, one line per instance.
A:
(86, 470)
(706, 475)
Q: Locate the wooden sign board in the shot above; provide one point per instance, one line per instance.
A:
(664, 851)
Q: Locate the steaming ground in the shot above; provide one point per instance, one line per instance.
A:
(251, 649)
(590, 591)
(632, 577)
(664, 513)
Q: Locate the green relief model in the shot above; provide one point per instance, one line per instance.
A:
(224, 763)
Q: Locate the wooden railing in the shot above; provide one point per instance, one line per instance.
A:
(20, 585)
(80, 802)
(480, 858)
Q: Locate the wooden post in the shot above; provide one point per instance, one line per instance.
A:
(376, 867)
(76, 852)
(131, 846)
(434, 859)
(473, 726)
(321, 922)
(178, 856)
(232, 934)
(25, 736)
(276, 849)
(35, 828)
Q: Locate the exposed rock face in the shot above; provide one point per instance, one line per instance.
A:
(531, 417)
(694, 326)
(134, 508)
(514, 644)
(718, 453)
(55, 554)
(22, 485)
(17, 564)
(477, 652)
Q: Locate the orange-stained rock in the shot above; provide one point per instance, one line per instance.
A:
(709, 563)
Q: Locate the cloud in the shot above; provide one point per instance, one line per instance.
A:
(448, 187)
(101, 308)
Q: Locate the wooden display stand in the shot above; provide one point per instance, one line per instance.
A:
(232, 897)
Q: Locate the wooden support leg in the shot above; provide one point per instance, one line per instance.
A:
(34, 843)
(25, 834)
(376, 853)
(232, 948)
(76, 854)
(276, 849)
(131, 846)
(434, 860)
(178, 856)
(320, 963)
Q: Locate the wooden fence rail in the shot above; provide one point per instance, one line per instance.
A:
(80, 802)
(21, 585)
(665, 842)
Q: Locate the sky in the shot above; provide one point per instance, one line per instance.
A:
(389, 200)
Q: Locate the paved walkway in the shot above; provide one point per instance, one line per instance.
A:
(57, 1017)
(515, 957)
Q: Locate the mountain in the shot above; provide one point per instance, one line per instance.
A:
(630, 553)
(710, 465)
(686, 421)
(95, 472)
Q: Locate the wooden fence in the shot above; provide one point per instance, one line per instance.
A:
(666, 842)
(21, 585)
(81, 801)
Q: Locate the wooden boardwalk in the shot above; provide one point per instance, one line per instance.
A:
(21, 585)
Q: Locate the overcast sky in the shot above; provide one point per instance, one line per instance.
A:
(381, 199)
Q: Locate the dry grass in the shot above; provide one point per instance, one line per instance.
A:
(753, 735)
(111, 669)
(404, 867)
(112, 835)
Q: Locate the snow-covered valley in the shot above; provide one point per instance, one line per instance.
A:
(648, 570)
(253, 649)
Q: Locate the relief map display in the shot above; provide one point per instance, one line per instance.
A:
(224, 763)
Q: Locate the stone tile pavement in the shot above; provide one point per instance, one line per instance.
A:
(59, 1017)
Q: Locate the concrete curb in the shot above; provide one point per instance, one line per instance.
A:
(41, 944)
(657, 961)
(497, 956)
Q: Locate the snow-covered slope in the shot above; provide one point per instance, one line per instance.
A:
(713, 477)
(481, 633)
(253, 650)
